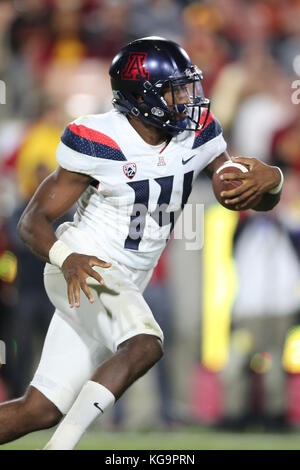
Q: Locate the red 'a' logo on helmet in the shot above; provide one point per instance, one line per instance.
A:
(135, 68)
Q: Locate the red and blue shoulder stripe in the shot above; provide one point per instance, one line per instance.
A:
(211, 130)
(85, 140)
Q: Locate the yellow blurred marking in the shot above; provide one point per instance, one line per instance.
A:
(219, 285)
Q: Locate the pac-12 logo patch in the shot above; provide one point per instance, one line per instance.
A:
(129, 170)
(135, 68)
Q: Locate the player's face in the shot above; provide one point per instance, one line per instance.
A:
(182, 95)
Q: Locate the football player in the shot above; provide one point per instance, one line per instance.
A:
(131, 170)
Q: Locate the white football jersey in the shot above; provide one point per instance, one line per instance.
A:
(139, 190)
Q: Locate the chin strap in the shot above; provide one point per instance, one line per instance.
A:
(180, 125)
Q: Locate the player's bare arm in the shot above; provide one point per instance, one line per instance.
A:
(54, 197)
(215, 164)
(259, 180)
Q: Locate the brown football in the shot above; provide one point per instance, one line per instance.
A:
(220, 185)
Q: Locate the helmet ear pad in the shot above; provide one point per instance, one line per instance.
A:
(138, 98)
(145, 103)
(141, 104)
(144, 108)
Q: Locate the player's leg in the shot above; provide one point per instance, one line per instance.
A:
(27, 414)
(134, 358)
(121, 319)
(68, 360)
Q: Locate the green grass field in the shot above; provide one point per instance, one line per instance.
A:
(188, 439)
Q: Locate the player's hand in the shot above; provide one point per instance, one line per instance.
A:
(76, 268)
(259, 179)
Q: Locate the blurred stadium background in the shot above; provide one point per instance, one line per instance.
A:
(230, 312)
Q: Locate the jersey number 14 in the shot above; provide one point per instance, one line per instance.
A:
(161, 214)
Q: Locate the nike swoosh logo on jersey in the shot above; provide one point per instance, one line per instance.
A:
(184, 162)
(97, 406)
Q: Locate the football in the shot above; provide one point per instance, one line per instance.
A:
(220, 185)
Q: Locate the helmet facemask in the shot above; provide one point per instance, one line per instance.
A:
(187, 103)
(180, 112)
